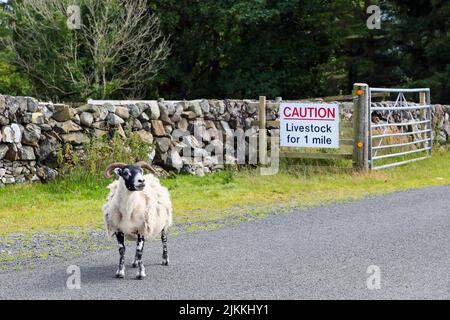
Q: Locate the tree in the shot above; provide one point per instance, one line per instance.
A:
(242, 48)
(11, 81)
(224, 49)
(422, 34)
(293, 49)
(114, 52)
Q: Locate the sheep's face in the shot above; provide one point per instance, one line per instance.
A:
(133, 176)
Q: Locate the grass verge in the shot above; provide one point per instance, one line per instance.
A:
(73, 203)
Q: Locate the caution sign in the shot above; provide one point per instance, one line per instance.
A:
(310, 125)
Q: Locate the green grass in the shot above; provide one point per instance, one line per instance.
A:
(73, 203)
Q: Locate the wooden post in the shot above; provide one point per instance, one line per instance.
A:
(423, 112)
(262, 131)
(361, 126)
(423, 97)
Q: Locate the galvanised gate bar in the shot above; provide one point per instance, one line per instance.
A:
(399, 132)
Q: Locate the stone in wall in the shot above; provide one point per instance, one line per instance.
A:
(63, 113)
(86, 119)
(3, 150)
(31, 135)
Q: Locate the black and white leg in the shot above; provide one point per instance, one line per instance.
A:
(135, 261)
(165, 255)
(138, 258)
(121, 242)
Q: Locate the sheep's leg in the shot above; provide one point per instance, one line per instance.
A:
(135, 261)
(136, 256)
(165, 255)
(138, 259)
(121, 241)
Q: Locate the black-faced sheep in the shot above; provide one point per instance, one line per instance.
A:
(137, 208)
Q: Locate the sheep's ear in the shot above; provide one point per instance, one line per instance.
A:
(118, 171)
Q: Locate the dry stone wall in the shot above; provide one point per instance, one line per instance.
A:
(31, 132)
(441, 124)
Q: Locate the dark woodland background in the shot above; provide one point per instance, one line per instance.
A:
(292, 49)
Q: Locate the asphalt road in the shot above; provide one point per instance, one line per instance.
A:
(320, 253)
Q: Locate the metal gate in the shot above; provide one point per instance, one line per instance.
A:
(400, 131)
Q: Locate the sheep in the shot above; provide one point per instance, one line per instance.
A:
(137, 208)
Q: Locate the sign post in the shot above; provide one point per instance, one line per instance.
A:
(309, 125)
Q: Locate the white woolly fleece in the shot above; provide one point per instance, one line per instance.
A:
(146, 212)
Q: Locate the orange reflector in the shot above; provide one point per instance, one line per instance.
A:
(359, 145)
(359, 92)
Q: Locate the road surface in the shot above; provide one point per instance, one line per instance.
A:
(320, 253)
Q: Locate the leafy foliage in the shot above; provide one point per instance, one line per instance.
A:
(242, 49)
(11, 80)
(298, 49)
(112, 50)
(245, 48)
(100, 152)
(423, 34)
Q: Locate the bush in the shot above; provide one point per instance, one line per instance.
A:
(95, 156)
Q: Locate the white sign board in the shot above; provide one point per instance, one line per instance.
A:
(310, 125)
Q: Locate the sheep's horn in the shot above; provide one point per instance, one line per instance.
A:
(146, 165)
(113, 166)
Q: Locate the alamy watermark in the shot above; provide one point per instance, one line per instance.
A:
(373, 282)
(73, 21)
(374, 20)
(73, 282)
